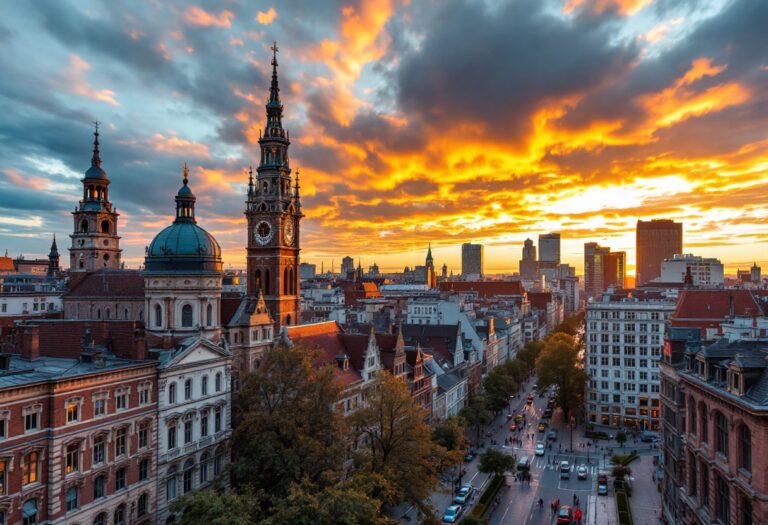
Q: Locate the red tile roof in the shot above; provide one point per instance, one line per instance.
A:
(325, 339)
(714, 304)
(230, 302)
(109, 283)
(484, 288)
(6, 265)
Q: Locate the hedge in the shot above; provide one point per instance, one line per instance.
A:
(490, 492)
(597, 434)
(622, 508)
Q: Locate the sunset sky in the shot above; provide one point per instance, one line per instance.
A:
(411, 122)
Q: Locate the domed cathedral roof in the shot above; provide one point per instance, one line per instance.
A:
(184, 247)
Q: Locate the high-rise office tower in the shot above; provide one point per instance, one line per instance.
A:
(528, 264)
(471, 260)
(549, 250)
(656, 240)
(603, 268)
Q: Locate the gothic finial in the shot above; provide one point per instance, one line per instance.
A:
(96, 160)
(250, 180)
(186, 174)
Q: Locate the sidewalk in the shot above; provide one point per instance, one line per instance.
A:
(601, 510)
(646, 499)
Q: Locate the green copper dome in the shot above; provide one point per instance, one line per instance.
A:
(184, 246)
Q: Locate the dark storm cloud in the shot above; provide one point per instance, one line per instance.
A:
(496, 69)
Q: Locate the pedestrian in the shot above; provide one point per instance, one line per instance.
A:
(574, 499)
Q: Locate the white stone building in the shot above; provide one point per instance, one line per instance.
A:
(705, 271)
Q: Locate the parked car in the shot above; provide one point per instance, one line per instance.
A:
(469, 456)
(464, 494)
(564, 515)
(452, 514)
(542, 426)
(565, 470)
(540, 448)
(547, 413)
(552, 435)
(582, 472)
(519, 418)
(649, 437)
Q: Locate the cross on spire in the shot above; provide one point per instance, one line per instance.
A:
(274, 49)
(186, 174)
(96, 159)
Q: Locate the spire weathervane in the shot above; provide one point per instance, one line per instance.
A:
(96, 159)
(186, 174)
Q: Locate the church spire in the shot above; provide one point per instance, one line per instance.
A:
(54, 249)
(250, 180)
(96, 159)
(185, 200)
(429, 253)
(274, 107)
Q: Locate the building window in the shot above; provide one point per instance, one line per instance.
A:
(31, 421)
(704, 425)
(3, 478)
(29, 512)
(218, 463)
(172, 437)
(142, 506)
(73, 458)
(188, 389)
(189, 467)
(144, 395)
(100, 519)
(73, 411)
(721, 434)
(170, 484)
(72, 498)
(31, 461)
(745, 456)
(158, 316)
(121, 442)
(722, 503)
(704, 485)
(143, 469)
(99, 406)
(121, 401)
(120, 475)
(188, 431)
(99, 444)
(209, 315)
(99, 485)
(204, 385)
(119, 516)
(217, 419)
(144, 435)
(692, 420)
(186, 316)
(204, 468)
(746, 511)
(204, 423)
(218, 382)
(172, 393)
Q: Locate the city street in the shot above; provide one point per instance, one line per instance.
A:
(517, 501)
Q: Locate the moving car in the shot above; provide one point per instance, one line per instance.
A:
(564, 515)
(540, 448)
(649, 437)
(542, 426)
(547, 413)
(552, 435)
(602, 484)
(524, 465)
(565, 470)
(463, 495)
(582, 472)
(469, 456)
(452, 513)
(519, 418)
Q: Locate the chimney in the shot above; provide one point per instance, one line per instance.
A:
(30, 342)
(139, 344)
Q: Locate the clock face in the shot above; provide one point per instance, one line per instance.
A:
(288, 232)
(263, 233)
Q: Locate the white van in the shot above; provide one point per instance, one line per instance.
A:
(565, 470)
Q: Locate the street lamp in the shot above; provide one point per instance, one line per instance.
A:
(573, 422)
(589, 445)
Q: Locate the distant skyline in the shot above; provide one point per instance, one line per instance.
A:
(408, 124)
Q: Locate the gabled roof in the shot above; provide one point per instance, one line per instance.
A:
(483, 288)
(192, 350)
(325, 339)
(714, 304)
(6, 265)
(125, 284)
(251, 311)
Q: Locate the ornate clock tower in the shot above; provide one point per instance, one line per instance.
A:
(273, 210)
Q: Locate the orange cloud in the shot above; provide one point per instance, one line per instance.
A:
(173, 145)
(266, 18)
(199, 17)
(75, 81)
(623, 7)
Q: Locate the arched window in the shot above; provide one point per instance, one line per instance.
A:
(98, 313)
(266, 282)
(218, 462)
(288, 319)
(172, 393)
(188, 389)
(104, 226)
(286, 281)
(204, 385)
(257, 279)
(204, 468)
(106, 312)
(29, 512)
(704, 424)
(119, 517)
(170, 484)
(745, 445)
(189, 467)
(693, 423)
(100, 519)
(99, 446)
(125, 314)
(218, 382)
(143, 504)
(158, 316)
(84, 226)
(141, 315)
(186, 315)
(209, 315)
(721, 433)
(30, 468)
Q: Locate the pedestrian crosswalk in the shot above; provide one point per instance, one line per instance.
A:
(541, 463)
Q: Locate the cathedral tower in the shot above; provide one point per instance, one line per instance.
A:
(273, 210)
(95, 243)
